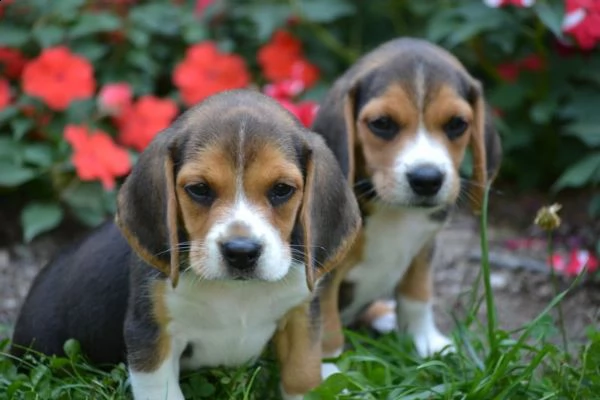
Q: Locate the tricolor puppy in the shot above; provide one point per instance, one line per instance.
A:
(228, 220)
(399, 122)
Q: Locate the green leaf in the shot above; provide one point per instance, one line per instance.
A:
(12, 175)
(8, 113)
(194, 33)
(325, 11)
(87, 202)
(20, 127)
(80, 111)
(159, 18)
(9, 148)
(48, 35)
(37, 218)
(594, 207)
(12, 35)
(587, 132)
(579, 174)
(139, 37)
(89, 24)
(551, 14)
(91, 50)
(38, 154)
(72, 349)
(266, 17)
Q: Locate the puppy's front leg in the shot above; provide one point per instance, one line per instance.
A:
(153, 355)
(153, 360)
(298, 347)
(415, 306)
(333, 336)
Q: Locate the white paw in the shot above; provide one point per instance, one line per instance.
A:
(385, 323)
(432, 342)
(328, 369)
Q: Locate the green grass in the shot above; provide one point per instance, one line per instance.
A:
(489, 364)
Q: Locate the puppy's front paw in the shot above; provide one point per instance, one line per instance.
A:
(328, 369)
(432, 342)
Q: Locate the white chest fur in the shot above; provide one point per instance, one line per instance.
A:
(392, 239)
(228, 323)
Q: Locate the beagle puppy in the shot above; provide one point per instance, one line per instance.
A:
(226, 224)
(399, 122)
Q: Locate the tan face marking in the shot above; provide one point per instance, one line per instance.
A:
(269, 168)
(214, 167)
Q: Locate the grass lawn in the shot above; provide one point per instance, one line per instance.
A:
(489, 364)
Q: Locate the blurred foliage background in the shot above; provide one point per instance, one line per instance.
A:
(538, 60)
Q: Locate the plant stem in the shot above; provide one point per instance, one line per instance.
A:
(489, 295)
(561, 321)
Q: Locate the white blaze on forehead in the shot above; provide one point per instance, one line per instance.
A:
(420, 88)
(239, 176)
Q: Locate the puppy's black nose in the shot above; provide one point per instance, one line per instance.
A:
(425, 180)
(241, 253)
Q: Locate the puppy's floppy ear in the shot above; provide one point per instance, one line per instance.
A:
(147, 206)
(329, 215)
(485, 147)
(336, 121)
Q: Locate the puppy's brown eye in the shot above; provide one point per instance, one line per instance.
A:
(201, 193)
(280, 193)
(455, 127)
(384, 127)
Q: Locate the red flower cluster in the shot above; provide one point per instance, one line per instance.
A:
(141, 122)
(504, 3)
(58, 77)
(582, 21)
(284, 92)
(511, 71)
(282, 59)
(4, 93)
(96, 156)
(206, 71)
(12, 62)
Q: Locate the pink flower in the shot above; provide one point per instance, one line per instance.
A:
(284, 89)
(114, 98)
(577, 260)
(582, 21)
(504, 3)
(201, 6)
(305, 111)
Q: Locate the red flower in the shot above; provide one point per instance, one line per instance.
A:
(3, 5)
(4, 93)
(582, 21)
(508, 71)
(282, 59)
(114, 98)
(201, 6)
(305, 111)
(504, 3)
(533, 62)
(142, 121)
(96, 156)
(58, 77)
(206, 71)
(12, 62)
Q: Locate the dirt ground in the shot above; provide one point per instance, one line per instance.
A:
(520, 280)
